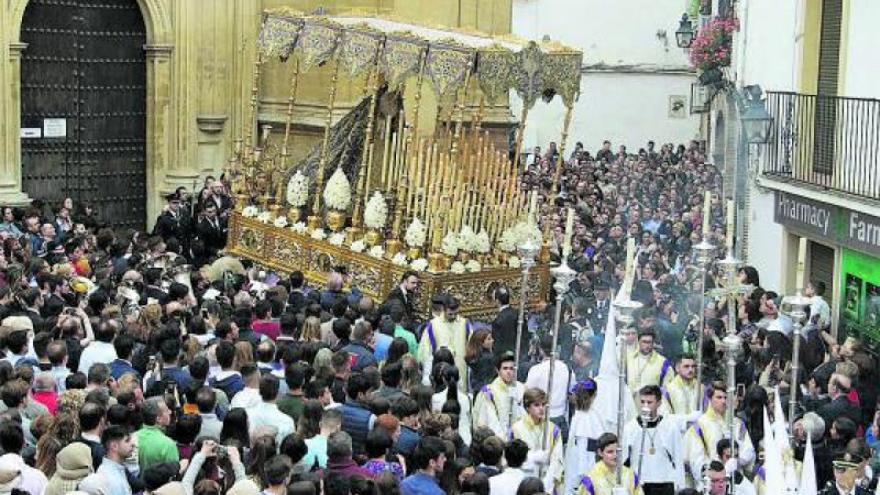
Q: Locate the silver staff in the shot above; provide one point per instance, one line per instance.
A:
(795, 307)
(528, 251)
(625, 314)
(564, 276)
(704, 254)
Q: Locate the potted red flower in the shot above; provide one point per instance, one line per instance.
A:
(711, 49)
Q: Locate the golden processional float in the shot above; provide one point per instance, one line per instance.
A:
(376, 196)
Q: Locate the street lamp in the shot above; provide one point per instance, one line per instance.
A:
(757, 123)
(684, 36)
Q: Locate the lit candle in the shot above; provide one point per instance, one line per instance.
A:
(569, 231)
(533, 205)
(707, 205)
(801, 264)
(730, 226)
(629, 267)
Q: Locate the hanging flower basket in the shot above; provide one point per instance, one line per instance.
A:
(711, 50)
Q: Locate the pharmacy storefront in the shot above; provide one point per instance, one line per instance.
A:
(844, 252)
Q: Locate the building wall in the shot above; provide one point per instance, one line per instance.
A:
(860, 70)
(632, 67)
(624, 108)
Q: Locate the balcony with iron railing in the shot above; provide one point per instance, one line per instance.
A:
(828, 143)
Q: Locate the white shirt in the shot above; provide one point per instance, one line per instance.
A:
(506, 482)
(464, 419)
(666, 463)
(96, 352)
(539, 376)
(33, 480)
(266, 413)
(246, 398)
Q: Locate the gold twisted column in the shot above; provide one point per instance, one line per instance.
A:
(565, 124)
(459, 114)
(517, 151)
(291, 100)
(322, 164)
(371, 87)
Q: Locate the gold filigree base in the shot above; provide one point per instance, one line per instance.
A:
(413, 253)
(392, 247)
(353, 234)
(436, 263)
(314, 222)
(294, 214)
(373, 238)
(335, 220)
(286, 250)
(544, 255)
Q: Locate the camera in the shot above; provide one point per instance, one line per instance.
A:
(222, 451)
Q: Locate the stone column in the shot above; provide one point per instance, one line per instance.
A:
(160, 118)
(10, 125)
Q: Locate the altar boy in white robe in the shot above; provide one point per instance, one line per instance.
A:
(450, 331)
(653, 444)
(530, 429)
(586, 428)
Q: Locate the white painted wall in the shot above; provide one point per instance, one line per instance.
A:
(628, 109)
(608, 31)
(628, 102)
(861, 71)
(768, 46)
(766, 239)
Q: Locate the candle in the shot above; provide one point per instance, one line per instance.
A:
(628, 267)
(707, 205)
(533, 204)
(801, 264)
(569, 231)
(731, 229)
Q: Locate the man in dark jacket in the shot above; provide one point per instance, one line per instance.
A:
(360, 348)
(228, 380)
(838, 388)
(406, 292)
(212, 231)
(357, 419)
(504, 327)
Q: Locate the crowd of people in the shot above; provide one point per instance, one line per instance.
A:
(138, 362)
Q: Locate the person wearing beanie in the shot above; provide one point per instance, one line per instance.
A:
(72, 464)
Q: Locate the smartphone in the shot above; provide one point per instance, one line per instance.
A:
(740, 390)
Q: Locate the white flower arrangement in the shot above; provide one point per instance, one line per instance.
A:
(467, 239)
(473, 266)
(336, 238)
(481, 242)
(250, 211)
(358, 246)
(298, 190)
(399, 259)
(419, 265)
(280, 221)
(526, 230)
(265, 216)
(449, 246)
(376, 211)
(457, 268)
(416, 234)
(319, 234)
(377, 251)
(299, 227)
(507, 242)
(337, 194)
(514, 262)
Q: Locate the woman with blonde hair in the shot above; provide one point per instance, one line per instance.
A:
(244, 354)
(63, 430)
(311, 330)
